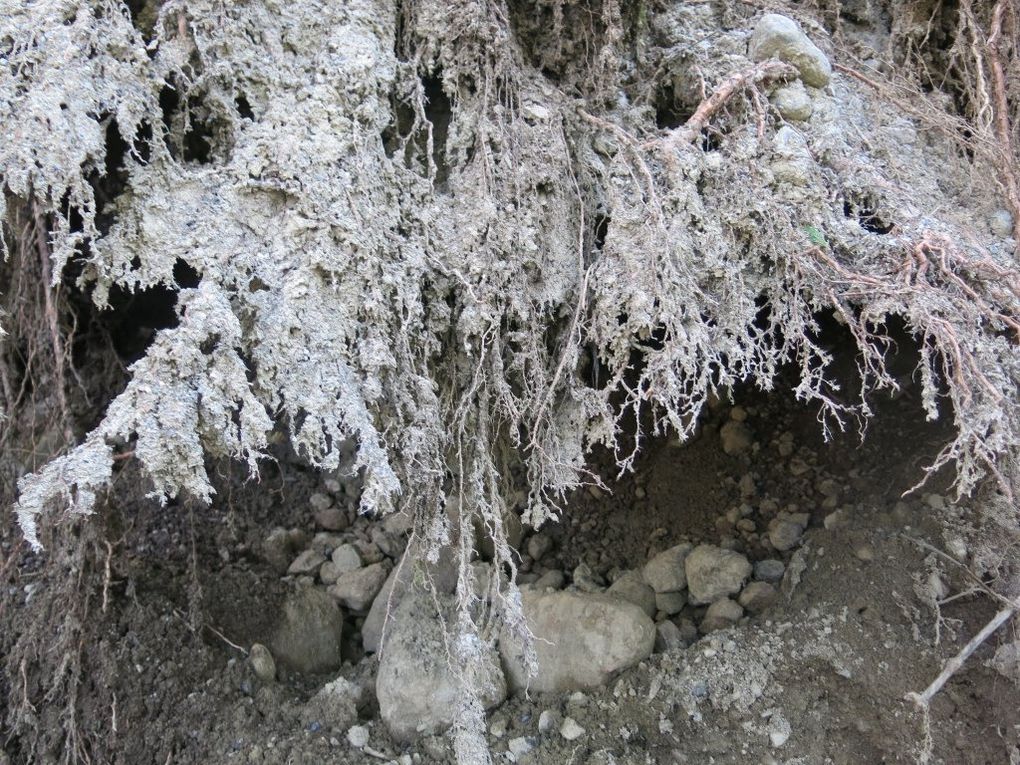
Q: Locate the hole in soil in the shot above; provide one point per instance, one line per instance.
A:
(135, 317)
(670, 111)
(108, 184)
(438, 112)
(601, 229)
(866, 215)
(397, 136)
(757, 476)
(244, 110)
(397, 132)
(711, 140)
(195, 133)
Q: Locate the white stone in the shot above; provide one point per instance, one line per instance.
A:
(520, 746)
(357, 735)
(571, 730)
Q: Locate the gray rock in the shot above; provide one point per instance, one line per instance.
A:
(770, 570)
(780, 37)
(665, 572)
(539, 546)
(307, 563)
(443, 574)
(1006, 661)
(865, 552)
(357, 589)
(798, 467)
(837, 519)
(331, 518)
(667, 637)
(320, 501)
(714, 573)
(417, 690)
(747, 486)
(278, 549)
(368, 551)
(375, 621)
(391, 545)
(670, 603)
(1000, 223)
(721, 614)
(498, 726)
(346, 558)
(792, 162)
(586, 580)
(328, 573)
(262, 662)
(688, 631)
(581, 640)
(553, 579)
(735, 437)
(792, 101)
(308, 632)
(758, 596)
(325, 542)
(398, 523)
(785, 533)
(630, 586)
(548, 721)
(481, 579)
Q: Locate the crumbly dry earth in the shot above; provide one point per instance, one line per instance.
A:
(474, 250)
(819, 677)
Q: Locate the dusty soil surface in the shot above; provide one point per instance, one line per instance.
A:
(818, 677)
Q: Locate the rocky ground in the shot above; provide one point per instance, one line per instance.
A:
(756, 595)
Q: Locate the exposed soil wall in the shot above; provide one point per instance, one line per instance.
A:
(473, 262)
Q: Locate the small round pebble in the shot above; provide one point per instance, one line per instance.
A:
(262, 662)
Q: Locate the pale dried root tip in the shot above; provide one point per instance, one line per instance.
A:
(954, 664)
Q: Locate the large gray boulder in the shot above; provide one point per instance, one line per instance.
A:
(581, 640)
(714, 573)
(308, 632)
(418, 690)
(780, 37)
